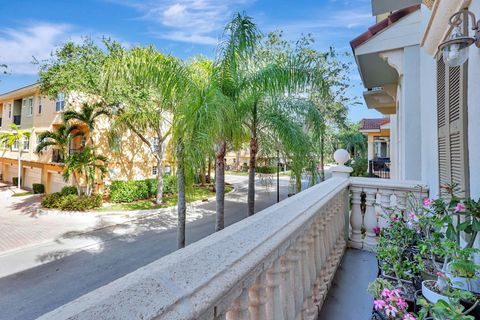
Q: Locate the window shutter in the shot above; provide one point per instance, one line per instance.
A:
(452, 126)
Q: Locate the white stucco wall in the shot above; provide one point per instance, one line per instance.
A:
(474, 111)
(428, 114)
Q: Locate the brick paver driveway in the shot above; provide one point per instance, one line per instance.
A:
(20, 226)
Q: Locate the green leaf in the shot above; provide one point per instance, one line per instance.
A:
(463, 226)
(451, 232)
(476, 226)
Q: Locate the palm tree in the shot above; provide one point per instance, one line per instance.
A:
(16, 137)
(60, 138)
(85, 163)
(87, 115)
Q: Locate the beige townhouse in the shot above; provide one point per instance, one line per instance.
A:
(32, 111)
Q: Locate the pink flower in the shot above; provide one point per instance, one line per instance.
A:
(379, 304)
(394, 218)
(412, 215)
(401, 303)
(376, 230)
(441, 274)
(408, 316)
(390, 311)
(386, 293)
(427, 202)
(460, 207)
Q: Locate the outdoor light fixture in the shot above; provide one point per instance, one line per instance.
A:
(455, 49)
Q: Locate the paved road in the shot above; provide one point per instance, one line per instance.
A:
(31, 293)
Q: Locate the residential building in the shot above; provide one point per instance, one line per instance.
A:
(32, 111)
(378, 139)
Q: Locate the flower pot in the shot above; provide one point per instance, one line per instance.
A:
(430, 294)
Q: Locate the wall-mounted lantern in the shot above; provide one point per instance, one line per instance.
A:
(455, 49)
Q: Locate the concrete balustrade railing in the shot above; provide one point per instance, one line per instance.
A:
(277, 264)
(369, 199)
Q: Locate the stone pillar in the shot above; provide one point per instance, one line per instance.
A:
(341, 156)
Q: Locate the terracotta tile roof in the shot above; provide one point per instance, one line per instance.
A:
(373, 124)
(373, 30)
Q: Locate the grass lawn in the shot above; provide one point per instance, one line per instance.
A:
(237, 173)
(21, 194)
(169, 200)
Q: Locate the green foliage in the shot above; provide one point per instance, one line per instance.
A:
(266, 169)
(129, 191)
(38, 188)
(376, 287)
(68, 190)
(72, 202)
(15, 181)
(359, 166)
(443, 310)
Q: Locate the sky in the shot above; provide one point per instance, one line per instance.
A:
(33, 29)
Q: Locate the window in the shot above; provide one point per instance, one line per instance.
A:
(39, 104)
(452, 126)
(26, 143)
(83, 143)
(39, 139)
(60, 102)
(28, 103)
(15, 145)
(154, 170)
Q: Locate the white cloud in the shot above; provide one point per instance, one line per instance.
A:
(19, 46)
(194, 21)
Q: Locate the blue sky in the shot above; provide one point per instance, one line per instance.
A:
(180, 27)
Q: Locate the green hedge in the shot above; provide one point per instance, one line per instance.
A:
(15, 181)
(128, 191)
(265, 169)
(72, 202)
(38, 188)
(68, 190)
(360, 167)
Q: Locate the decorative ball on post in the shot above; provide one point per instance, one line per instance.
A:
(341, 156)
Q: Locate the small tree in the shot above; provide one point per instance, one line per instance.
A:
(85, 163)
(59, 138)
(17, 136)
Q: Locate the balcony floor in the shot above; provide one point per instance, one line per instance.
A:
(348, 298)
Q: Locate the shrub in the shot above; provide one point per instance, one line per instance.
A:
(142, 189)
(15, 181)
(266, 169)
(38, 188)
(123, 191)
(152, 187)
(170, 184)
(72, 201)
(67, 190)
(360, 167)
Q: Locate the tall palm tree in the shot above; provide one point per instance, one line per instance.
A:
(60, 138)
(85, 163)
(16, 136)
(87, 115)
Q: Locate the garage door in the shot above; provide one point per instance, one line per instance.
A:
(55, 181)
(12, 171)
(32, 175)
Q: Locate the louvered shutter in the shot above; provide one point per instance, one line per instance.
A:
(452, 125)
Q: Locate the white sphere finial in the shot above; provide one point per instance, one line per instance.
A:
(341, 156)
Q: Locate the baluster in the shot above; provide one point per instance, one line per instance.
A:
(296, 281)
(239, 308)
(286, 288)
(370, 220)
(258, 298)
(356, 219)
(386, 202)
(274, 299)
(304, 259)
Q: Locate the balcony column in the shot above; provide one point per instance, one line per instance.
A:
(286, 288)
(356, 219)
(370, 219)
(258, 299)
(385, 202)
(239, 308)
(274, 303)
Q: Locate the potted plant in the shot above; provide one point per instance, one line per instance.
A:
(389, 303)
(442, 310)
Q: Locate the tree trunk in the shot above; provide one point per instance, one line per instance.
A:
(209, 174)
(160, 153)
(238, 160)
(322, 157)
(252, 163)
(182, 206)
(298, 183)
(203, 180)
(19, 182)
(220, 187)
(77, 184)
